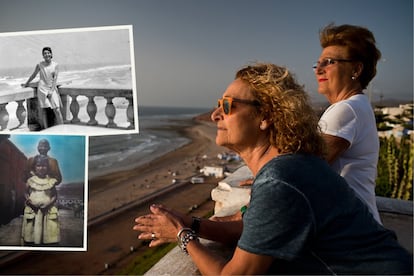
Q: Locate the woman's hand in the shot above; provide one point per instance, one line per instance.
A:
(160, 226)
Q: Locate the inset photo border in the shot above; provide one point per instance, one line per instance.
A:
(43, 192)
(77, 81)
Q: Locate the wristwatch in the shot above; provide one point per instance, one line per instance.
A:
(195, 224)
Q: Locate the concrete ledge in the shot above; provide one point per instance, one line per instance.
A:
(177, 262)
(391, 205)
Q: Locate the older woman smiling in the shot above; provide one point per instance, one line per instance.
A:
(345, 67)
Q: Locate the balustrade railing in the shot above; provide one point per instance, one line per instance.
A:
(10, 99)
(104, 107)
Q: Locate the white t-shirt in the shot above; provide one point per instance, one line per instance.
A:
(353, 119)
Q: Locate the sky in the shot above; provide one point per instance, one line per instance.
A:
(69, 151)
(71, 47)
(187, 51)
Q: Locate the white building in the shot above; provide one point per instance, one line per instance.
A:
(217, 172)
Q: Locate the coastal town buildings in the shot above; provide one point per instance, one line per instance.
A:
(397, 121)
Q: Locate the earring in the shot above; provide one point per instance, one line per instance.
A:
(353, 77)
(262, 126)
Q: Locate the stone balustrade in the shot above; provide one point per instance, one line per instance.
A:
(100, 106)
(12, 98)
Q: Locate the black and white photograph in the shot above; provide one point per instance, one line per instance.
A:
(73, 81)
(43, 192)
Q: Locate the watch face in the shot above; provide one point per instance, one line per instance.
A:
(195, 224)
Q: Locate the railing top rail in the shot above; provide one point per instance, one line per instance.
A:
(17, 95)
(30, 92)
(96, 91)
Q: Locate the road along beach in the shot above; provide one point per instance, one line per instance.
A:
(110, 191)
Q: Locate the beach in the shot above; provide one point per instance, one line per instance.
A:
(113, 190)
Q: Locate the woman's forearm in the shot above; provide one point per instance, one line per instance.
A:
(30, 79)
(206, 262)
(32, 76)
(223, 232)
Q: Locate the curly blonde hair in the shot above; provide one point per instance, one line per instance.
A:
(294, 124)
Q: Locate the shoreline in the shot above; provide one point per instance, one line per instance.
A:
(115, 189)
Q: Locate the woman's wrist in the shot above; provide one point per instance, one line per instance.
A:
(184, 237)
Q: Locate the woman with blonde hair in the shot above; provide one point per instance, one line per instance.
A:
(302, 218)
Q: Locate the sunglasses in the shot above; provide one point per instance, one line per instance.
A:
(328, 61)
(226, 103)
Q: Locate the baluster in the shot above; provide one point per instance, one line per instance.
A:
(4, 116)
(74, 109)
(92, 110)
(21, 112)
(110, 112)
(65, 106)
(130, 114)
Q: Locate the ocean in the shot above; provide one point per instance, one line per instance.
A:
(158, 134)
(118, 75)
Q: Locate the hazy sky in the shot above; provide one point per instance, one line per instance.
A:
(187, 51)
(68, 150)
(69, 46)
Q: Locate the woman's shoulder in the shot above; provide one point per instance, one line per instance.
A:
(353, 105)
(288, 164)
(353, 102)
(339, 109)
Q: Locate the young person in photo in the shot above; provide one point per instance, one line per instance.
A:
(47, 92)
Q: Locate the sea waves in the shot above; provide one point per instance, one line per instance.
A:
(115, 76)
(159, 134)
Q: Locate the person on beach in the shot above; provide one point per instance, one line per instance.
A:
(303, 218)
(344, 69)
(47, 92)
(40, 219)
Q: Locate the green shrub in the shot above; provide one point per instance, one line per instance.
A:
(395, 168)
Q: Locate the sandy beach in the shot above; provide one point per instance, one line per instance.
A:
(116, 189)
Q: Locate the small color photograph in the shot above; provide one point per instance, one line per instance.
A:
(43, 192)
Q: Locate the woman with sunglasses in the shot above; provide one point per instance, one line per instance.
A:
(302, 218)
(47, 92)
(345, 67)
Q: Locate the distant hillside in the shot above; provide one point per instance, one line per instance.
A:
(391, 102)
(74, 189)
